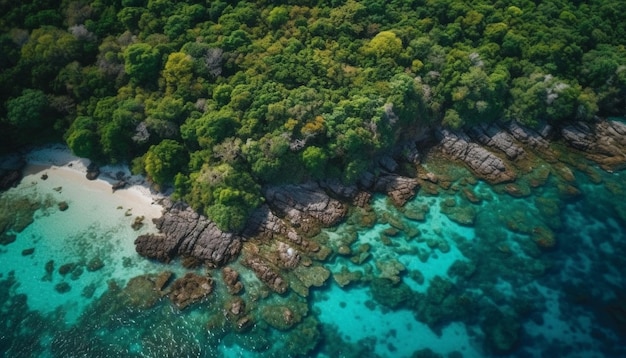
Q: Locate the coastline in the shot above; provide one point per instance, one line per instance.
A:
(60, 160)
(78, 234)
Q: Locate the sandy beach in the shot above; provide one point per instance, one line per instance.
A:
(57, 160)
(96, 224)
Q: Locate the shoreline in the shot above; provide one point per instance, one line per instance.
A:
(58, 158)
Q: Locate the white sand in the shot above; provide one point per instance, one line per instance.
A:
(59, 157)
(97, 223)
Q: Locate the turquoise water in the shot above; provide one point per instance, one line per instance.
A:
(465, 269)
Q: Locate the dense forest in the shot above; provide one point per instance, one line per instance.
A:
(218, 98)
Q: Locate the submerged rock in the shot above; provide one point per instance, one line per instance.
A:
(345, 277)
(281, 317)
(501, 332)
(95, 264)
(231, 278)
(312, 276)
(62, 287)
(63, 206)
(190, 289)
(137, 223)
(266, 273)
(6, 239)
(390, 294)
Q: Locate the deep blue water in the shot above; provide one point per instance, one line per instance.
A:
(465, 269)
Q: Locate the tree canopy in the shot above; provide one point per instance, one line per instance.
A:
(256, 92)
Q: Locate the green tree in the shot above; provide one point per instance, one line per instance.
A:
(29, 111)
(164, 160)
(83, 139)
(178, 73)
(384, 44)
(315, 160)
(141, 63)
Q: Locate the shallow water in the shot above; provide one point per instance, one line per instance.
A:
(465, 269)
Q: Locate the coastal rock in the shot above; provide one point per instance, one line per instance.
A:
(264, 224)
(484, 163)
(9, 178)
(579, 136)
(183, 232)
(189, 289)
(231, 279)
(305, 206)
(120, 184)
(93, 171)
(536, 139)
(493, 136)
(336, 188)
(603, 141)
(288, 257)
(266, 273)
(399, 189)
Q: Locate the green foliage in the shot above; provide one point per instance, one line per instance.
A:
(28, 111)
(225, 195)
(311, 89)
(315, 160)
(82, 138)
(164, 160)
(142, 63)
(277, 17)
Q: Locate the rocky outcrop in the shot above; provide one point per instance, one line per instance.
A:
(305, 206)
(534, 138)
(399, 189)
(484, 163)
(603, 141)
(189, 289)
(266, 273)
(93, 172)
(264, 224)
(183, 232)
(495, 137)
(231, 279)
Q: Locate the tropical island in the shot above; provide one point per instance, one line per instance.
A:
(287, 135)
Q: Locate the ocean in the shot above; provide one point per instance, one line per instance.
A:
(465, 269)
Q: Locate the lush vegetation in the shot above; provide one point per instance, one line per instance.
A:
(221, 97)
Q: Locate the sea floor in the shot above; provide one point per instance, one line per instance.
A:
(465, 269)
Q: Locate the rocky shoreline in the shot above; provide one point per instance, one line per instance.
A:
(292, 213)
(277, 239)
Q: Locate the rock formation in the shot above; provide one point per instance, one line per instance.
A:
(189, 289)
(603, 141)
(484, 163)
(183, 232)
